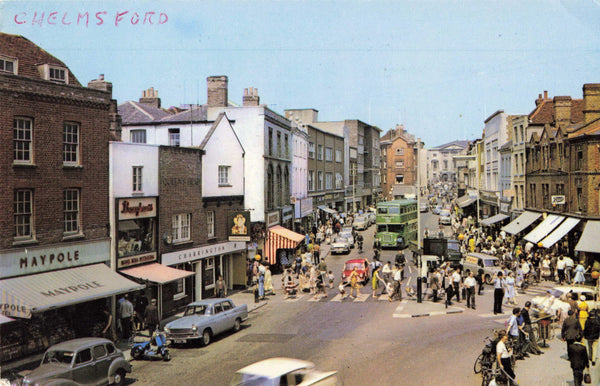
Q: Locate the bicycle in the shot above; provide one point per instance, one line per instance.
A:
(486, 360)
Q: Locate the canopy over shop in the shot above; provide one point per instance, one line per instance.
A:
(524, 220)
(280, 245)
(560, 232)
(544, 228)
(494, 219)
(588, 242)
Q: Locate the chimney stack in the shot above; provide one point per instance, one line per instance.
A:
(591, 102)
(100, 84)
(251, 97)
(150, 97)
(562, 110)
(217, 88)
(545, 94)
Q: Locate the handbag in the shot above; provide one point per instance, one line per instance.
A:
(587, 378)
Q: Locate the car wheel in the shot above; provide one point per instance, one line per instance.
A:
(237, 325)
(488, 279)
(206, 336)
(119, 378)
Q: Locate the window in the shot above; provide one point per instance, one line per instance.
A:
(84, 356)
(57, 74)
(399, 164)
(227, 306)
(270, 148)
(328, 181)
(71, 143)
(181, 227)
(137, 136)
(339, 181)
(71, 210)
(8, 65)
(578, 158)
(23, 212)
(22, 139)
(210, 223)
(224, 175)
(311, 150)
(279, 148)
(174, 137)
(399, 178)
(338, 156)
(328, 154)
(179, 289)
(99, 351)
(445, 165)
(137, 178)
(319, 180)
(320, 152)
(286, 149)
(311, 180)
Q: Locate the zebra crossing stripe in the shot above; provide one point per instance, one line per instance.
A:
(361, 297)
(298, 297)
(337, 298)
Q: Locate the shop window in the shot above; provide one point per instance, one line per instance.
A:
(179, 289)
(181, 227)
(136, 236)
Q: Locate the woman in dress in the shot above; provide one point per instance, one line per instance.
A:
(579, 274)
(269, 289)
(376, 280)
(354, 283)
(546, 273)
(313, 279)
(583, 311)
(509, 289)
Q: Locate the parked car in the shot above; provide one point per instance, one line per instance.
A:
(361, 223)
(423, 207)
(347, 234)
(83, 361)
(362, 265)
(560, 294)
(340, 245)
(372, 216)
(445, 218)
(283, 371)
(473, 261)
(437, 209)
(206, 318)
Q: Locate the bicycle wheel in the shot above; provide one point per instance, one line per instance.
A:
(478, 366)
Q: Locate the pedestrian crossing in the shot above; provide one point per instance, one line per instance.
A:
(361, 298)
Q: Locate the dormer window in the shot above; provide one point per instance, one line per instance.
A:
(8, 65)
(57, 74)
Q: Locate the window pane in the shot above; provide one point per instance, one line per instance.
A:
(71, 210)
(23, 213)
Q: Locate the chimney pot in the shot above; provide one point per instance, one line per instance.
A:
(545, 94)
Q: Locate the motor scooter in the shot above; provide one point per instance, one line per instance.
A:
(156, 347)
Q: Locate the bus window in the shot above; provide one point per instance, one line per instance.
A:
(381, 228)
(394, 210)
(382, 210)
(398, 228)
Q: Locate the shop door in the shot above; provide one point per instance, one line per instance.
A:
(208, 277)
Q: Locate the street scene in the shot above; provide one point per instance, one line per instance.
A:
(300, 193)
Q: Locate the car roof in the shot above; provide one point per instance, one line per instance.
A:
(484, 256)
(76, 344)
(207, 301)
(273, 367)
(355, 261)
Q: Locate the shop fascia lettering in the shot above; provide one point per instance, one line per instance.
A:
(72, 289)
(126, 209)
(48, 259)
(199, 253)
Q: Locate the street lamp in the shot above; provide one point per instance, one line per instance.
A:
(419, 289)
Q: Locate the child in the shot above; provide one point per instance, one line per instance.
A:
(342, 290)
(330, 278)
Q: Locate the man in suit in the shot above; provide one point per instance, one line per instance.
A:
(571, 330)
(579, 360)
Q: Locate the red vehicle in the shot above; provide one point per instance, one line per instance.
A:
(362, 267)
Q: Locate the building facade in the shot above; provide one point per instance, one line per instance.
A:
(398, 163)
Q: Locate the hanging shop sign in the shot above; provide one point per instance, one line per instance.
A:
(238, 225)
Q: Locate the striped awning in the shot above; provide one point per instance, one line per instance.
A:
(280, 238)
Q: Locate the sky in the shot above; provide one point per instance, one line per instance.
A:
(438, 67)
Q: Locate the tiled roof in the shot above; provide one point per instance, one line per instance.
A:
(195, 114)
(591, 128)
(30, 56)
(544, 112)
(134, 112)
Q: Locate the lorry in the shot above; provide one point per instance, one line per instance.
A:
(445, 248)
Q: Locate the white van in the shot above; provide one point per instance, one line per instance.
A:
(473, 261)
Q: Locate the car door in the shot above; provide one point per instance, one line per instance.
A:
(103, 361)
(84, 368)
(228, 314)
(218, 318)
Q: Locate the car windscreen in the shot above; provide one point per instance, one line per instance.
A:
(195, 310)
(351, 266)
(59, 356)
(241, 379)
(491, 262)
(340, 240)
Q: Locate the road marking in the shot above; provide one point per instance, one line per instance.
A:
(337, 298)
(384, 297)
(361, 297)
(298, 297)
(317, 298)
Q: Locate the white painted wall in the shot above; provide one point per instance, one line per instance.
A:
(496, 135)
(124, 156)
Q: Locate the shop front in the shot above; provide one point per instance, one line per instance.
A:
(207, 263)
(46, 308)
(136, 231)
(303, 213)
(280, 247)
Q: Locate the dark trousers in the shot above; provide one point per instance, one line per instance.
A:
(561, 275)
(435, 295)
(397, 293)
(471, 297)
(456, 290)
(479, 288)
(508, 368)
(317, 255)
(498, 295)
(151, 328)
(449, 294)
(577, 377)
(126, 325)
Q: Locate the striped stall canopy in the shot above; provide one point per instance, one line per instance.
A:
(280, 238)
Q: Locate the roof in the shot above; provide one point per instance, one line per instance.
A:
(195, 114)
(76, 344)
(355, 261)
(30, 56)
(210, 301)
(274, 367)
(460, 143)
(544, 112)
(156, 273)
(135, 112)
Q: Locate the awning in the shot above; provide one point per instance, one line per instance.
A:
(24, 295)
(156, 273)
(128, 225)
(465, 201)
(550, 222)
(523, 221)
(326, 209)
(494, 219)
(280, 238)
(560, 232)
(588, 242)
(5, 319)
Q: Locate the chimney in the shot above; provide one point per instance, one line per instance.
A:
(538, 100)
(251, 97)
(545, 94)
(562, 110)
(100, 84)
(150, 97)
(216, 87)
(591, 102)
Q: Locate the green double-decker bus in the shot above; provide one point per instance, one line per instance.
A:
(396, 223)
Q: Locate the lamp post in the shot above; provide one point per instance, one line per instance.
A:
(419, 289)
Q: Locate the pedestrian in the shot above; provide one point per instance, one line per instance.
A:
(456, 283)
(317, 253)
(503, 355)
(435, 284)
(400, 261)
(108, 331)
(512, 330)
(221, 287)
(469, 285)
(151, 317)
(498, 293)
(269, 289)
(330, 278)
(261, 282)
(533, 346)
(546, 272)
(386, 272)
(397, 289)
(579, 360)
(141, 302)
(354, 286)
(571, 329)
(561, 264)
(580, 274)
(480, 281)
(509, 286)
(591, 332)
(376, 279)
(126, 312)
(342, 290)
(583, 311)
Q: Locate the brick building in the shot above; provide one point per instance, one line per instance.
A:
(54, 231)
(398, 163)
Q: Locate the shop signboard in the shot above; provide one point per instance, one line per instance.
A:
(30, 260)
(287, 213)
(272, 218)
(136, 207)
(13, 307)
(136, 259)
(198, 253)
(238, 225)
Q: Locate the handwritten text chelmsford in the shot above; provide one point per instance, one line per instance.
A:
(85, 19)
